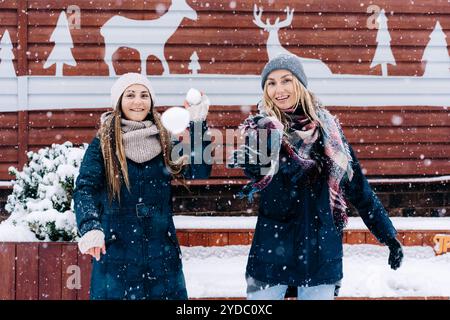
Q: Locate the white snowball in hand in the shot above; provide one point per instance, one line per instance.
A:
(193, 97)
(175, 119)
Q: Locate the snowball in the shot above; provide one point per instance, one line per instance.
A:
(193, 97)
(175, 119)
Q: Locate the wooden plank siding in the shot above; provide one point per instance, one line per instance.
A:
(418, 144)
(27, 264)
(334, 31)
(226, 38)
(390, 141)
(7, 271)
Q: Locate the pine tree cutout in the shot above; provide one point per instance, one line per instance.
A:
(436, 55)
(61, 53)
(6, 56)
(194, 65)
(383, 54)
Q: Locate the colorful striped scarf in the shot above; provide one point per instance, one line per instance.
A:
(297, 145)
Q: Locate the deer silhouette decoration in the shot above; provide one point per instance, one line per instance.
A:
(312, 67)
(148, 37)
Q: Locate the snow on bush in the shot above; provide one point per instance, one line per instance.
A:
(41, 201)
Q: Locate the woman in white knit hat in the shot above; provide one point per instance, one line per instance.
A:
(123, 200)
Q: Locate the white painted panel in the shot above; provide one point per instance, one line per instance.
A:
(67, 101)
(385, 100)
(8, 94)
(8, 103)
(8, 85)
(337, 90)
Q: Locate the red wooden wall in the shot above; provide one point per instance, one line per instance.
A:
(419, 146)
(334, 31)
(228, 42)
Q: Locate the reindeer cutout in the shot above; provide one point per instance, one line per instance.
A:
(146, 36)
(312, 67)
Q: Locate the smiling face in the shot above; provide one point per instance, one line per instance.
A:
(136, 102)
(280, 89)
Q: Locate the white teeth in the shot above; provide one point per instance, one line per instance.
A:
(282, 98)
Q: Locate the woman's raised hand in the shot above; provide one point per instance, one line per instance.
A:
(197, 103)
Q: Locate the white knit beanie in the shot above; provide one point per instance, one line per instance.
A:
(127, 80)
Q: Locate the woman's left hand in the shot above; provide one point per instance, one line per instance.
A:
(96, 252)
(198, 112)
(395, 253)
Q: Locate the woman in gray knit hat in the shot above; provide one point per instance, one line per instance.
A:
(304, 187)
(123, 201)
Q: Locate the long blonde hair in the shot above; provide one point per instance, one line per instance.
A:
(305, 99)
(113, 150)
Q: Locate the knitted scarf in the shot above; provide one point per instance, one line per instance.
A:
(297, 145)
(140, 140)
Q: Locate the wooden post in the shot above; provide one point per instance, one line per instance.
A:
(7, 271)
(50, 273)
(22, 138)
(22, 71)
(27, 262)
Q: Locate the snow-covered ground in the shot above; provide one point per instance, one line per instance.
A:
(219, 272)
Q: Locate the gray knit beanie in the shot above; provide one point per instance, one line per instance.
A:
(287, 62)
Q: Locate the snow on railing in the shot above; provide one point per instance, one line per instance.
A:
(6, 184)
(410, 180)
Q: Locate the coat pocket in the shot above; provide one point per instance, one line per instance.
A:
(122, 238)
(171, 234)
(329, 239)
(274, 242)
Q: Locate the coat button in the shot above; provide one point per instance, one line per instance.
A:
(142, 210)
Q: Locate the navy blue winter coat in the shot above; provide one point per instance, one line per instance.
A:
(296, 241)
(143, 257)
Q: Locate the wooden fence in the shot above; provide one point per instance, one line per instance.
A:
(57, 270)
(41, 271)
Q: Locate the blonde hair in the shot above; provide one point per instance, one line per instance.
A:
(305, 99)
(113, 150)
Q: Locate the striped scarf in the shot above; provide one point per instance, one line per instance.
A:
(298, 143)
